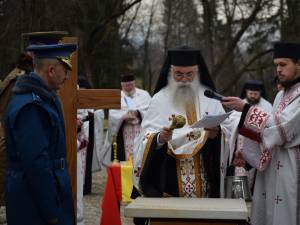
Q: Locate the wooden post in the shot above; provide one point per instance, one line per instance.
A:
(73, 99)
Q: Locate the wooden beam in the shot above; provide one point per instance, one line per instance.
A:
(98, 98)
(73, 99)
(68, 96)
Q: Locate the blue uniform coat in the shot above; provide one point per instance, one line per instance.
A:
(37, 184)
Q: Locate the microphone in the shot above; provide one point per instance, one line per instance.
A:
(212, 94)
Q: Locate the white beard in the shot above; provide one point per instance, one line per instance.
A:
(183, 94)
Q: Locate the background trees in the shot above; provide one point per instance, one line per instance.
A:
(235, 36)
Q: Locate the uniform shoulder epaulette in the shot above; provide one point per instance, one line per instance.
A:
(36, 98)
(14, 74)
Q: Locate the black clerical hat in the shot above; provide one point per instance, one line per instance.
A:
(183, 56)
(127, 77)
(286, 50)
(253, 85)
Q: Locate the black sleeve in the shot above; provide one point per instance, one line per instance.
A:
(139, 116)
(243, 116)
(153, 175)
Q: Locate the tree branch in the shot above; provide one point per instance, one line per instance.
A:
(168, 7)
(132, 20)
(146, 62)
(245, 24)
(244, 69)
(110, 19)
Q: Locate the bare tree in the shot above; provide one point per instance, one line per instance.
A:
(147, 71)
(291, 21)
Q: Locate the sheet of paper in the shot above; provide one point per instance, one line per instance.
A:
(210, 121)
(130, 103)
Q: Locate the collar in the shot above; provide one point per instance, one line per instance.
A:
(33, 83)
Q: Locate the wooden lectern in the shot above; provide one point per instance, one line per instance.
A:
(184, 211)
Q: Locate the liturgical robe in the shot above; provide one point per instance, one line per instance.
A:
(125, 132)
(236, 140)
(190, 165)
(276, 198)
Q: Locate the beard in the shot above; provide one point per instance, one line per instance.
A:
(253, 101)
(287, 84)
(183, 94)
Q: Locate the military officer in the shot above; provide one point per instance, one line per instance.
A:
(23, 66)
(38, 189)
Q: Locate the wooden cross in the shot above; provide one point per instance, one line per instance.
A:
(73, 99)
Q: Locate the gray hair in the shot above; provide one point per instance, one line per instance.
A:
(40, 63)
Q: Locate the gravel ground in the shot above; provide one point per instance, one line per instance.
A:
(2, 215)
(92, 210)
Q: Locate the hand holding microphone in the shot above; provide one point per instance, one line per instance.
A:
(234, 103)
(211, 94)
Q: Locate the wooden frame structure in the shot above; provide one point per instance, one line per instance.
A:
(73, 99)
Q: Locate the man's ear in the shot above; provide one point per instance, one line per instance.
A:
(298, 65)
(51, 70)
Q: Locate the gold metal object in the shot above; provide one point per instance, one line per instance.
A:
(177, 122)
(131, 114)
(105, 124)
(115, 148)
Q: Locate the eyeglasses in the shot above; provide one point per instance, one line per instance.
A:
(180, 75)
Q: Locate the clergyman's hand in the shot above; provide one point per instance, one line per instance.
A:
(234, 103)
(165, 135)
(239, 160)
(129, 117)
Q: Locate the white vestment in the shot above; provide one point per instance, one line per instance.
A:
(185, 143)
(276, 198)
(236, 140)
(141, 99)
(82, 141)
(80, 183)
(98, 140)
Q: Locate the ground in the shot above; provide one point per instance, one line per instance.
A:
(92, 202)
(2, 216)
